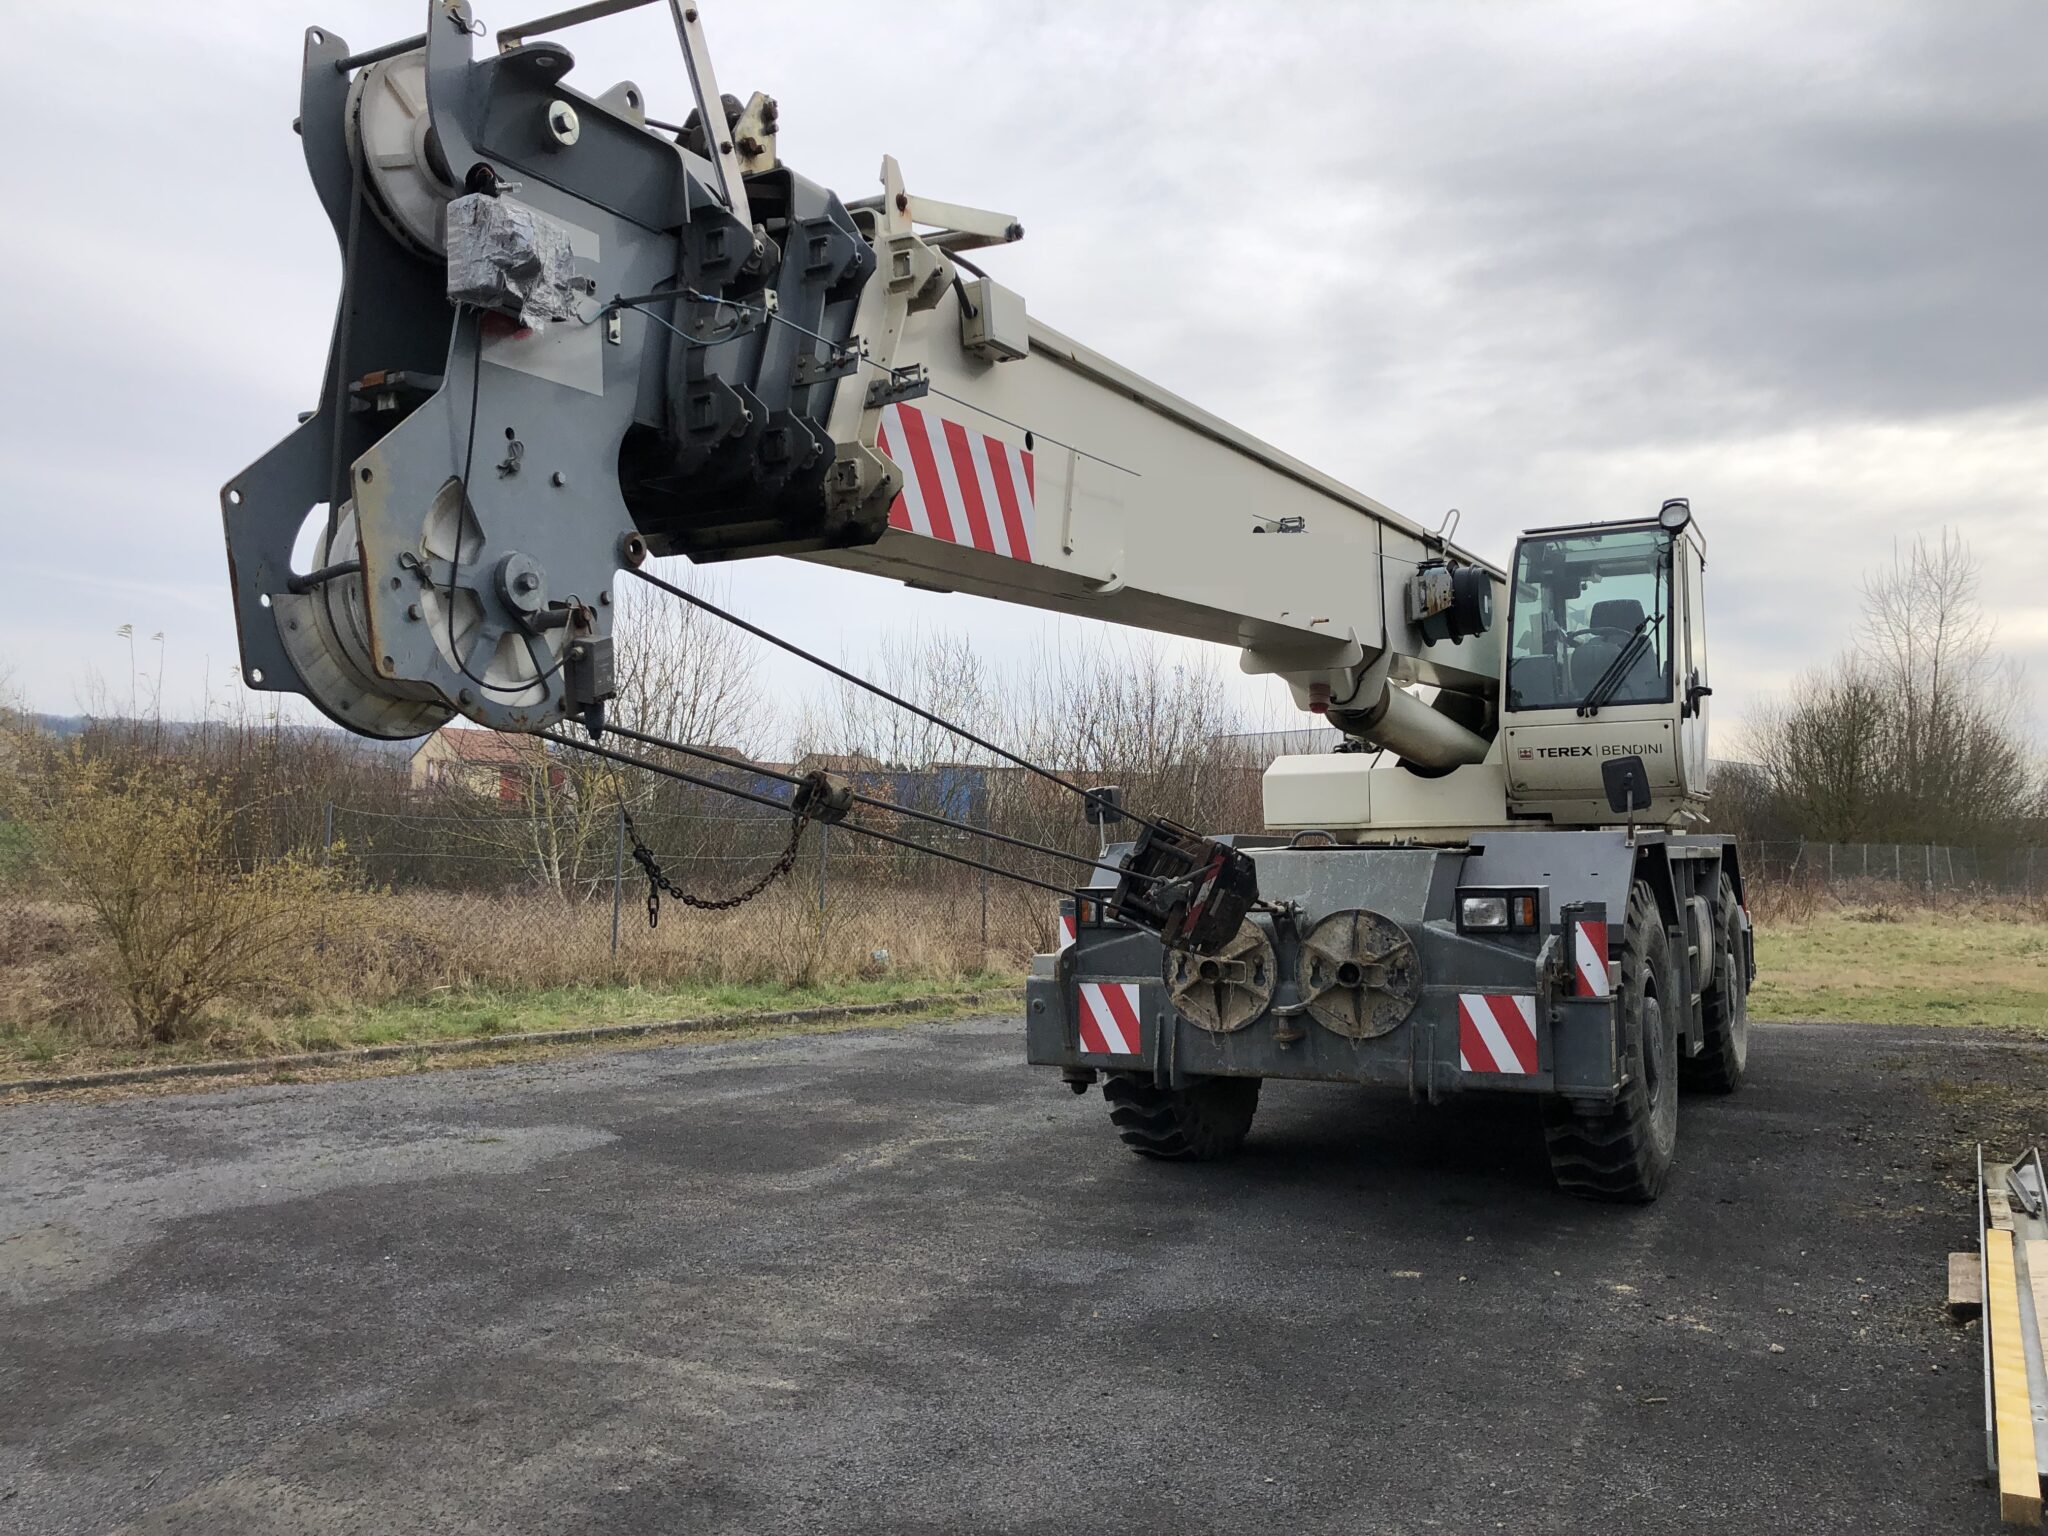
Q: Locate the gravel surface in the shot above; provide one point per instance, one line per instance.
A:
(896, 1281)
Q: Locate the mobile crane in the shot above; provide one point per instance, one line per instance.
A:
(571, 336)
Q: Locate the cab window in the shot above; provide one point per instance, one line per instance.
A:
(1582, 603)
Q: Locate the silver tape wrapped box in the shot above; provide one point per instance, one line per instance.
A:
(507, 257)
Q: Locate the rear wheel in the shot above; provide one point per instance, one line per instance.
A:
(1624, 1153)
(1724, 1007)
(1209, 1118)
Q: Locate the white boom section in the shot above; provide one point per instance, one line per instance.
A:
(1060, 480)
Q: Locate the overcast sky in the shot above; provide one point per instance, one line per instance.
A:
(1535, 261)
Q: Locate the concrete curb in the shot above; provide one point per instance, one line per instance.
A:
(349, 1054)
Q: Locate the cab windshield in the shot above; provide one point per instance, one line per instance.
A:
(1580, 603)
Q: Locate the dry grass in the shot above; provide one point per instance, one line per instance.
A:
(427, 964)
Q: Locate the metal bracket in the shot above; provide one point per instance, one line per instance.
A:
(910, 382)
(964, 229)
(711, 107)
(858, 475)
(718, 137)
(817, 370)
(754, 135)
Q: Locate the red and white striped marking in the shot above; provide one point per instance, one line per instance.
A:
(1497, 1032)
(1589, 959)
(1069, 930)
(1109, 1018)
(959, 485)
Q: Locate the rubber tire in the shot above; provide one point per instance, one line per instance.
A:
(1208, 1119)
(1625, 1153)
(1724, 1006)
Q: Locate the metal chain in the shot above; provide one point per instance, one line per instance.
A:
(658, 883)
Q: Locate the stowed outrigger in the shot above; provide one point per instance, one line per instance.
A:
(571, 336)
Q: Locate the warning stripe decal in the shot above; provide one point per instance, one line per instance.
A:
(959, 486)
(1109, 1018)
(1497, 1033)
(1589, 959)
(1068, 928)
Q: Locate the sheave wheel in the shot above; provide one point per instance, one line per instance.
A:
(1724, 1007)
(1625, 1152)
(1207, 1119)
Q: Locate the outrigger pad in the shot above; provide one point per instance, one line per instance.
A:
(1189, 889)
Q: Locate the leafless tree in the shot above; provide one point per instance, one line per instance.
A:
(938, 670)
(1821, 753)
(1915, 734)
(684, 673)
(1955, 750)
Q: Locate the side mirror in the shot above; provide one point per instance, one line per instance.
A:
(1104, 806)
(1695, 690)
(1627, 783)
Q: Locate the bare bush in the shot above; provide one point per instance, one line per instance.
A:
(145, 854)
(1913, 735)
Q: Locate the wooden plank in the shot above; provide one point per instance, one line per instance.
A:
(2000, 1206)
(1966, 1285)
(2019, 1474)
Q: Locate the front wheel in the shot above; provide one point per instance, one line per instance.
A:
(1625, 1153)
(1207, 1119)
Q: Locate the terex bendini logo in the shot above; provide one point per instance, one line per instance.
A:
(1607, 749)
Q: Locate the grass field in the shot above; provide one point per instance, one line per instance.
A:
(1983, 967)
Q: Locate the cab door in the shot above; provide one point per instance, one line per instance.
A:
(1690, 673)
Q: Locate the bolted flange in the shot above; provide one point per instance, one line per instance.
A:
(1359, 974)
(1227, 990)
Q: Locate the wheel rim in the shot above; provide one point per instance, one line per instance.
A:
(1654, 1064)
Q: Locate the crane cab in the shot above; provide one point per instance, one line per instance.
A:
(1605, 658)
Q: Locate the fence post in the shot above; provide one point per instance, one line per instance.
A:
(618, 871)
(984, 900)
(1831, 864)
(327, 832)
(1927, 853)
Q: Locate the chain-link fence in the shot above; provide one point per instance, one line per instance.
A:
(570, 885)
(1907, 868)
(446, 895)
(549, 879)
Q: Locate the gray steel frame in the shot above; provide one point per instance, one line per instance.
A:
(1578, 873)
(701, 427)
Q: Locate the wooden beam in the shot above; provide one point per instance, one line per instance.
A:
(2019, 1474)
(1999, 1203)
(1966, 1285)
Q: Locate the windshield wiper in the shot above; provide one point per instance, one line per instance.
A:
(1605, 686)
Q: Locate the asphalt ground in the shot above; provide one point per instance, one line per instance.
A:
(895, 1281)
